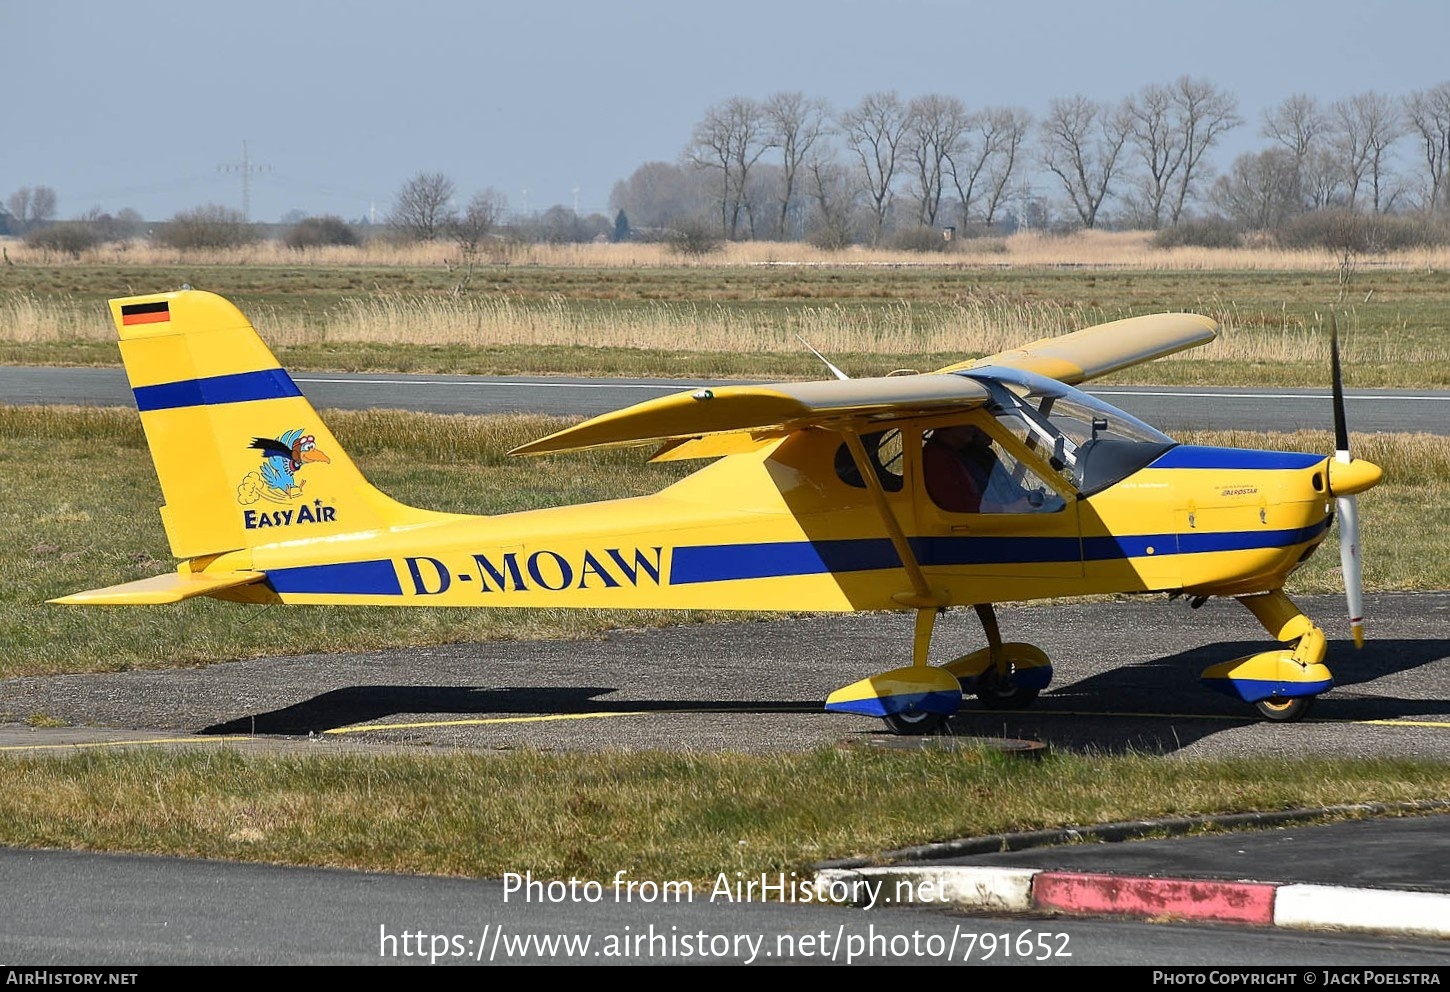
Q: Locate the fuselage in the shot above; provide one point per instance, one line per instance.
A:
(785, 528)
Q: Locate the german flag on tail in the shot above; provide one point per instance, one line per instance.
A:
(146, 313)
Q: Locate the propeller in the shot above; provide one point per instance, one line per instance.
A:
(1344, 482)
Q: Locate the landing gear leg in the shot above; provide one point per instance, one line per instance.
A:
(1003, 676)
(914, 700)
(912, 723)
(1281, 684)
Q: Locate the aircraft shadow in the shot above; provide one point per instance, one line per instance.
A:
(362, 704)
(1158, 707)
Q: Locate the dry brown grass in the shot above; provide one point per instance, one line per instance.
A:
(967, 326)
(1086, 249)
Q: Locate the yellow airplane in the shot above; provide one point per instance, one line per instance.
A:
(988, 481)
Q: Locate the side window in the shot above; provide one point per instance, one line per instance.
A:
(967, 472)
(1060, 458)
(884, 450)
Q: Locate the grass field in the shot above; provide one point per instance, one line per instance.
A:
(78, 505)
(81, 512)
(655, 816)
(743, 315)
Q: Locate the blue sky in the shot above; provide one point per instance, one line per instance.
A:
(144, 103)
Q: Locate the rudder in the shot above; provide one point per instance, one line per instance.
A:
(242, 456)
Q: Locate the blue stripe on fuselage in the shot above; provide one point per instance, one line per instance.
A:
(728, 562)
(239, 387)
(1196, 456)
(353, 578)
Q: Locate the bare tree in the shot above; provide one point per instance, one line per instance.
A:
(731, 139)
(478, 219)
(1171, 128)
(1082, 144)
(1261, 190)
(1204, 112)
(1428, 113)
(1366, 126)
(32, 206)
(1002, 130)
(1153, 134)
(1299, 125)
(1322, 180)
(935, 133)
(873, 130)
(831, 192)
(423, 209)
(659, 194)
(793, 123)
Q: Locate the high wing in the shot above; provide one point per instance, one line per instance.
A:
(1095, 351)
(732, 419)
(763, 412)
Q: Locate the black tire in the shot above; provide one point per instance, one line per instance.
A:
(1289, 710)
(914, 724)
(997, 693)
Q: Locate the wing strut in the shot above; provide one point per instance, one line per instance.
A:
(926, 599)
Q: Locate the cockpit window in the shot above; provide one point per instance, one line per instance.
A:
(1092, 444)
(885, 451)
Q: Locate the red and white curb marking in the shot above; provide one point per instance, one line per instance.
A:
(1291, 905)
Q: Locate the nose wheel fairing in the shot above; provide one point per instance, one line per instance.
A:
(1284, 674)
(910, 690)
(917, 698)
(1270, 675)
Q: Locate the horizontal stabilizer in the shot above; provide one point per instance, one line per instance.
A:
(170, 588)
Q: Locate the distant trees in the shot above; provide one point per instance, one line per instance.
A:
(935, 132)
(1171, 128)
(657, 195)
(1299, 125)
(1427, 113)
(70, 237)
(423, 208)
(1260, 190)
(1365, 126)
(210, 226)
(319, 232)
(793, 124)
(873, 130)
(31, 206)
(984, 164)
(479, 218)
(1082, 142)
(727, 143)
(90, 229)
(890, 170)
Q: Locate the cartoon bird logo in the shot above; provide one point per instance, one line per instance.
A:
(282, 458)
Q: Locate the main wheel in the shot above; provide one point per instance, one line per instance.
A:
(1284, 710)
(1003, 693)
(914, 724)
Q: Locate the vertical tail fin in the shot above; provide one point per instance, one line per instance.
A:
(242, 456)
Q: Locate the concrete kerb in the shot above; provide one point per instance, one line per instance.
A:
(1128, 830)
(879, 882)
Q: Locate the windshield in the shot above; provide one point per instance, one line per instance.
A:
(1091, 443)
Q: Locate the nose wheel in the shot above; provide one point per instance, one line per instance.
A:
(1279, 710)
(914, 724)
